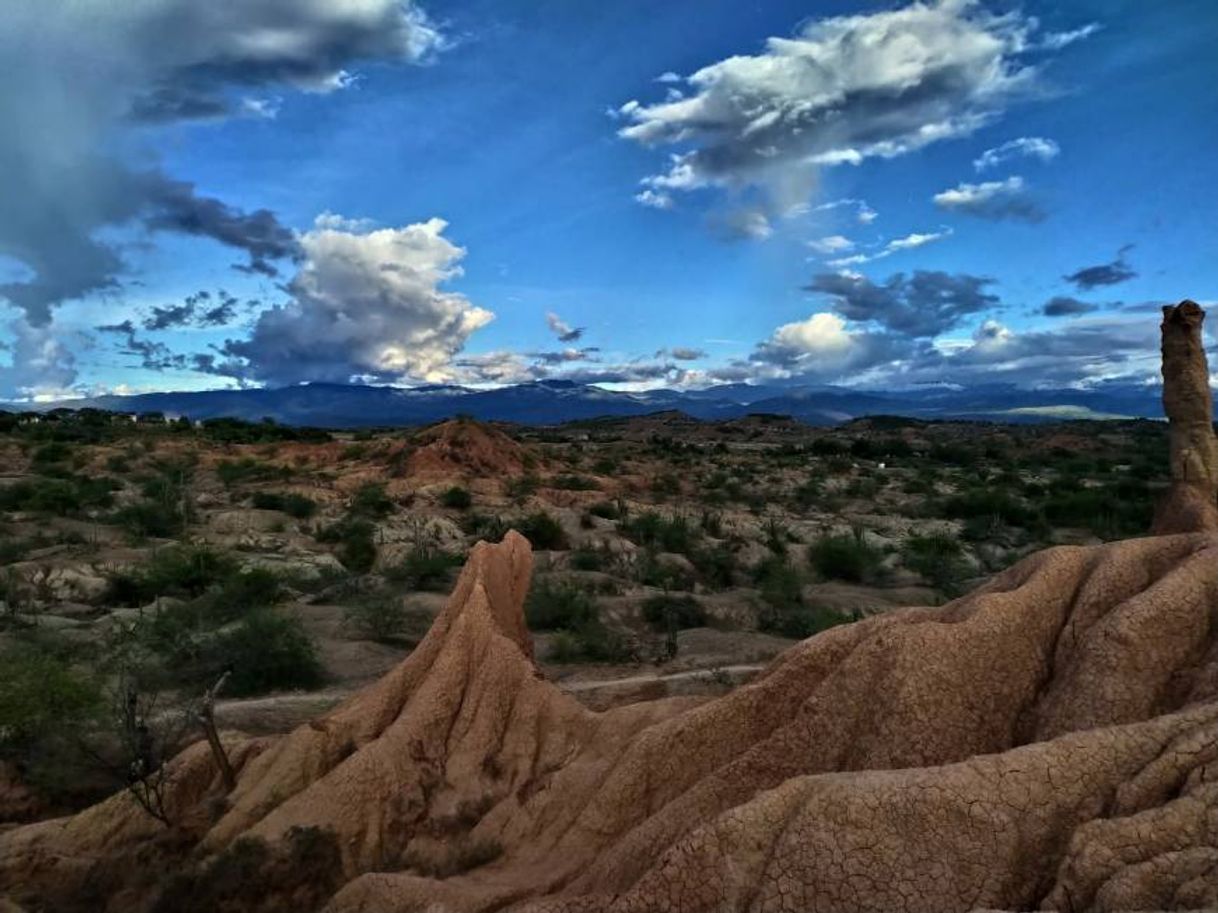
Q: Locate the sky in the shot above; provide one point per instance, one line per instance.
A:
(267, 192)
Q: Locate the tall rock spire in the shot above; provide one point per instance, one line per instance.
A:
(1190, 504)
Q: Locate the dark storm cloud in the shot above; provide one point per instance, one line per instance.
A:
(195, 310)
(79, 74)
(176, 207)
(1065, 306)
(562, 330)
(921, 305)
(1112, 273)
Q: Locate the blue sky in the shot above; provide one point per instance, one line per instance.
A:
(532, 129)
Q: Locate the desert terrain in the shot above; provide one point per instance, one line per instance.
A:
(745, 644)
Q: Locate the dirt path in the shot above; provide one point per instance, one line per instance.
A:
(280, 713)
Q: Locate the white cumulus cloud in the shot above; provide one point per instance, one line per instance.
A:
(365, 303)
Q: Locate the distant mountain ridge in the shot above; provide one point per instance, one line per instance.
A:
(550, 402)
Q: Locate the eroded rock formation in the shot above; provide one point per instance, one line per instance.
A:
(462, 447)
(1052, 738)
(1190, 504)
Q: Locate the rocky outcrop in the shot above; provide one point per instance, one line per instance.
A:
(1190, 504)
(464, 449)
(1052, 738)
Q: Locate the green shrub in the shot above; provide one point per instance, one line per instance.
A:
(457, 498)
(149, 519)
(606, 510)
(370, 500)
(378, 616)
(266, 651)
(846, 557)
(490, 527)
(650, 570)
(543, 531)
(938, 558)
(993, 503)
(780, 584)
(521, 488)
(425, 567)
(667, 534)
(798, 623)
(552, 606)
(44, 705)
(591, 642)
(668, 611)
(180, 571)
(355, 541)
(246, 469)
(590, 558)
(716, 565)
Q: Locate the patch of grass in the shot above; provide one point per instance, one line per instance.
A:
(574, 483)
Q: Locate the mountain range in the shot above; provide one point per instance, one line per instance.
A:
(554, 401)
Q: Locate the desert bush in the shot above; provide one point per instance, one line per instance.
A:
(456, 498)
(650, 570)
(800, 622)
(591, 642)
(425, 567)
(521, 488)
(994, 503)
(846, 557)
(716, 565)
(553, 606)
(246, 469)
(302, 873)
(180, 571)
(543, 531)
(590, 558)
(292, 504)
(490, 527)
(667, 534)
(267, 650)
(606, 510)
(938, 558)
(45, 705)
(370, 500)
(377, 616)
(669, 611)
(64, 497)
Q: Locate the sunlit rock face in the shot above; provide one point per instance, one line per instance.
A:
(1189, 505)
